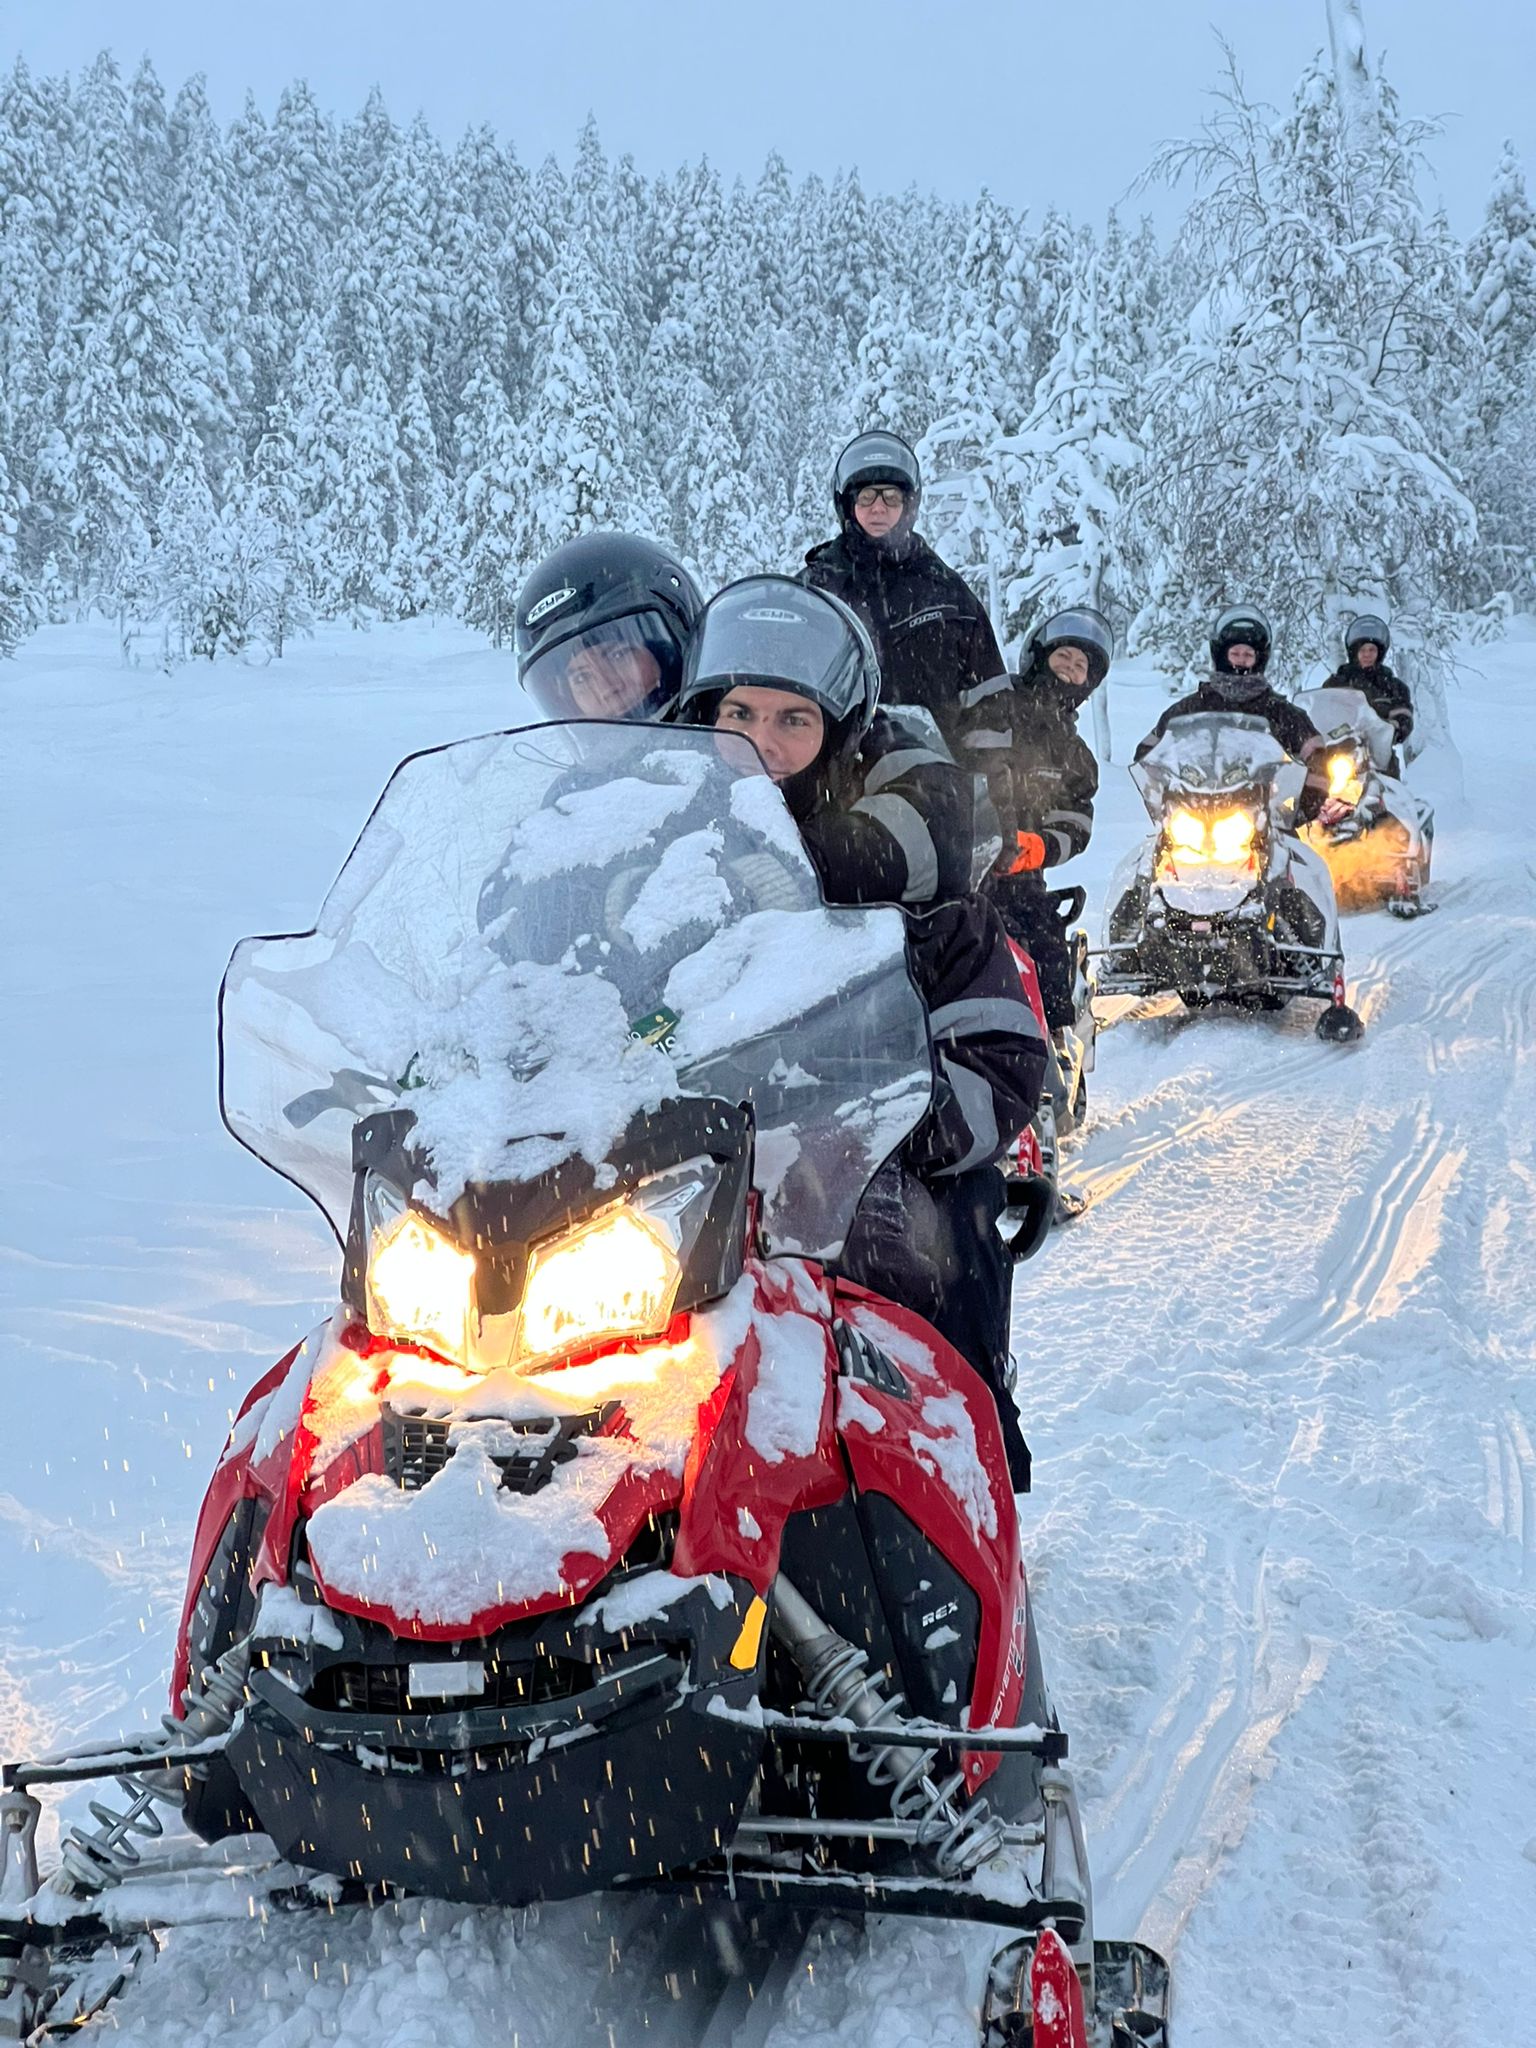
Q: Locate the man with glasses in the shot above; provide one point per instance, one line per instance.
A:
(937, 650)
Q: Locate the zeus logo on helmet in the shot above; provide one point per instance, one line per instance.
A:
(545, 605)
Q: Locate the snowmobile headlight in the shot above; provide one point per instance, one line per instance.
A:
(1344, 777)
(1232, 836)
(420, 1285)
(1186, 832)
(615, 1277)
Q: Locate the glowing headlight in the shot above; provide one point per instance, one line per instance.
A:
(1343, 778)
(419, 1285)
(1186, 833)
(617, 1276)
(1231, 836)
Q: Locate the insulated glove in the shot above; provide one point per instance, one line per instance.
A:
(1029, 854)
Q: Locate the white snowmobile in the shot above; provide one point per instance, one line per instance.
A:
(1223, 901)
(1375, 834)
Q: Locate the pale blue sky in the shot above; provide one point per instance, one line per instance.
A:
(1040, 100)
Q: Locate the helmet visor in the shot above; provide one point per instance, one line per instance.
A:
(624, 668)
(875, 458)
(777, 635)
(1241, 623)
(1367, 627)
(1082, 626)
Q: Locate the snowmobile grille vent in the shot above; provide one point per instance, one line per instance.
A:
(862, 1360)
(382, 1688)
(416, 1448)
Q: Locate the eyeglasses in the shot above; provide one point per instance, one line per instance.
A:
(881, 494)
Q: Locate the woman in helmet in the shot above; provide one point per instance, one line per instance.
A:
(935, 644)
(793, 670)
(1240, 648)
(601, 628)
(1045, 784)
(1367, 639)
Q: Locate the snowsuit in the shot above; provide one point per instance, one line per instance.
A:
(898, 829)
(1386, 693)
(926, 1232)
(936, 646)
(1045, 782)
(1287, 721)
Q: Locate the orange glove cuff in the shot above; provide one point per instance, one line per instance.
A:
(1031, 854)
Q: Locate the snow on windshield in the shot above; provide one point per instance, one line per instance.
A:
(541, 937)
(1212, 750)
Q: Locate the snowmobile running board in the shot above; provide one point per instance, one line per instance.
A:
(861, 1892)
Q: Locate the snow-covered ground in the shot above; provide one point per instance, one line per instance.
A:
(1280, 1382)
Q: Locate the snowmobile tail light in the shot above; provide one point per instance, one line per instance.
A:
(419, 1285)
(615, 1277)
(1186, 832)
(1231, 836)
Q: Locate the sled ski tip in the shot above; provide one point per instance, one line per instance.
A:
(1030, 2003)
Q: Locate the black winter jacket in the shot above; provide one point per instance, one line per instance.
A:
(1289, 724)
(989, 1051)
(936, 646)
(1386, 693)
(1051, 777)
(899, 828)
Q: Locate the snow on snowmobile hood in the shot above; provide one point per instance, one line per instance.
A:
(542, 934)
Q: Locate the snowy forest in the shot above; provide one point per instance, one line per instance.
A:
(304, 368)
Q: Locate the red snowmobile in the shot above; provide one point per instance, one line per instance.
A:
(605, 1538)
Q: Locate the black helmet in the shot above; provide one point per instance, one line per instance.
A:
(608, 592)
(1080, 627)
(1367, 627)
(775, 634)
(876, 458)
(1240, 625)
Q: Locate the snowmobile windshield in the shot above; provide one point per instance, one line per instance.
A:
(541, 936)
(1348, 714)
(1211, 753)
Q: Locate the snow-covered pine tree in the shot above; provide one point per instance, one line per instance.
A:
(1288, 463)
(18, 602)
(490, 541)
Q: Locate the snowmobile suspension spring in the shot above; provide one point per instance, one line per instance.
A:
(840, 1684)
(92, 1860)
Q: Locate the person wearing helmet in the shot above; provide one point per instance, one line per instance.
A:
(1367, 639)
(1046, 782)
(1240, 649)
(793, 670)
(935, 643)
(601, 627)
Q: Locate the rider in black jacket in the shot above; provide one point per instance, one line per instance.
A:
(1045, 784)
(1364, 668)
(793, 670)
(1240, 646)
(935, 644)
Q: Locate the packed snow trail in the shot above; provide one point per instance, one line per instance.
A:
(1279, 1382)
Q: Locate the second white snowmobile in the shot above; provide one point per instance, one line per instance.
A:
(1375, 833)
(1223, 901)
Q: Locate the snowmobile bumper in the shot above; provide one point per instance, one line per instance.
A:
(1219, 962)
(626, 1774)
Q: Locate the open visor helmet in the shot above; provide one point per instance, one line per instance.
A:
(1367, 627)
(876, 458)
(1080, 627)
(769, 632)
(1240, 625)
(601, 627)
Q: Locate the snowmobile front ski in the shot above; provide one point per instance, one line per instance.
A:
(1028, 2004)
